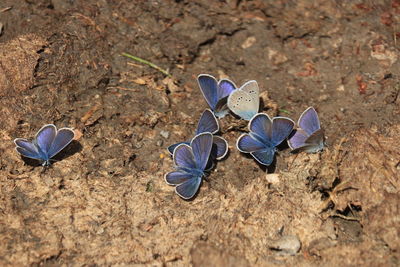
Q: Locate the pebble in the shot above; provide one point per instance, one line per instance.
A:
(1, 28)
(164, 134)
(286, 245)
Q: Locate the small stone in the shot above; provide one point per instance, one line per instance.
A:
(272, 178)
(287, 245)
(160, 142)
(340, 88)
(164, 134)
(323, 97)
(249, 42)
(276, 57)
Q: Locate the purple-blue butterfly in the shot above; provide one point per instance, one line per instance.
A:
(216, 93)
(208, 123)
(264, 136)
(309, 137)
(190, 164)
(47, 143)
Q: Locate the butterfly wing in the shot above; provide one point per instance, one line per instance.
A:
(309, 121)
(183, 157)
(177, 177)
(187, 183)
(315, 141)
(261, 125)
(44, 139)
(207, 123)
(225, 88)
(63, 137)
(209, 88)
(189, 188)
(219, 148)
(201, 146)
(171, 148)
(247, 144)
(245, 101)
(281, 129)
(265, 156)
(27, 148)
(297, 139)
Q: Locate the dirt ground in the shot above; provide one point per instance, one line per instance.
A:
(106, 202)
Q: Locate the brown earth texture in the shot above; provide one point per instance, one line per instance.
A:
(105, 201)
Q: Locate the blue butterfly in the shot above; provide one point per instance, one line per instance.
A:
(245, 101)
(265, 135)
(208, 123)
(216, 93)
(309, 137)
(190, 163)
(47, 143)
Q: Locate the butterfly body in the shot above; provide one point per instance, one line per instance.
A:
(264, 136)
(47, 143)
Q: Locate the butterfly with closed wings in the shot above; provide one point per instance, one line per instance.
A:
(245, 101)
(309, 137)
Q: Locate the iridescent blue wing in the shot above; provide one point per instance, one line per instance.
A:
(220, 147)
(63, 137)
(297, 139)
(45, 137)
(225, 88)
(281, 129)
(209, 87)
(309, 121)
(171, 148)
(201, 146)
(248, 144)
(265, 157)
(187, 183)
(27, 149)
(188, 189)
(177, 177)
(183, 157)
(261, 124)
(245, 101)
(207, 123)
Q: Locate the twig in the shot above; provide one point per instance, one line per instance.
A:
(154, 66)
(5, 9)
(284, 111)
(122, 88)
